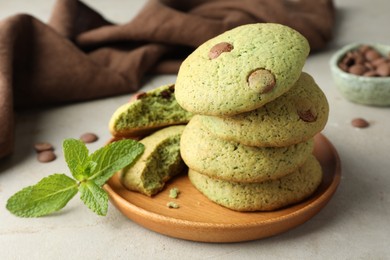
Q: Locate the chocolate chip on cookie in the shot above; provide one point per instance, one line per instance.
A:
(166, 94)
(309, 115)
(261, 80)
(220, 48)
(306, 110)
(140, 95)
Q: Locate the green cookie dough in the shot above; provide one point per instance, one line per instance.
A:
(261, 196)
(241, 69)
(148, 112)
(292, 118)
(160, 162)
(233, 161)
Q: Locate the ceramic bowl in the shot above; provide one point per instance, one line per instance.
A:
(364, 90)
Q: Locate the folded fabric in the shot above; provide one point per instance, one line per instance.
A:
(79, 55)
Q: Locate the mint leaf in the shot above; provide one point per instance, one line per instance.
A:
(94, 197)
(47, 196)
(90, 171)
(89, 168)
(76, 156)
(113, 157)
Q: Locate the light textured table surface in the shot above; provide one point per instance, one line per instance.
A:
(354, 225)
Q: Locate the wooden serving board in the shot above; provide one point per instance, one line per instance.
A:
(199, 219)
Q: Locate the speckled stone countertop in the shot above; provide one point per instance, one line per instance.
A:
(355, 224)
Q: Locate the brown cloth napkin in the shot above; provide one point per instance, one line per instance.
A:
(79, 55)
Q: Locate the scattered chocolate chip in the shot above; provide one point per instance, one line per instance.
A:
(220, 48)
(261, 80)
(89, 138)
(172, 88)
(46, 156)
(43, 146)
(360, 123)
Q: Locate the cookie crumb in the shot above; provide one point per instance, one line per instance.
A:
(174, 193)
(173, 205)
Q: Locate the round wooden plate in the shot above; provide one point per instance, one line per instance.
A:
(199, 219)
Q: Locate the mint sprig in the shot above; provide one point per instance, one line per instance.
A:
(90, 173)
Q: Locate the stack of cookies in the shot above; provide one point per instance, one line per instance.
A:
(249, 145)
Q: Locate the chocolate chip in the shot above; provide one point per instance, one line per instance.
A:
(46, 156)
(43, 146)
(166, 94)
(359, 58)
(220, 48)
(261, 80)
(360, 123)
(371, 55)
(89, 138)
(306, 109)
(369, 65)
(357, 69)
(343, 66)
(365, 61)
(364, 48)
(383, 69)
(309, 115)
(348, 60)
(370, 73)
(378, 61)
(140, 95)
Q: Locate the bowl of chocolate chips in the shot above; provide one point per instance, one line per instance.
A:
(361, 72)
